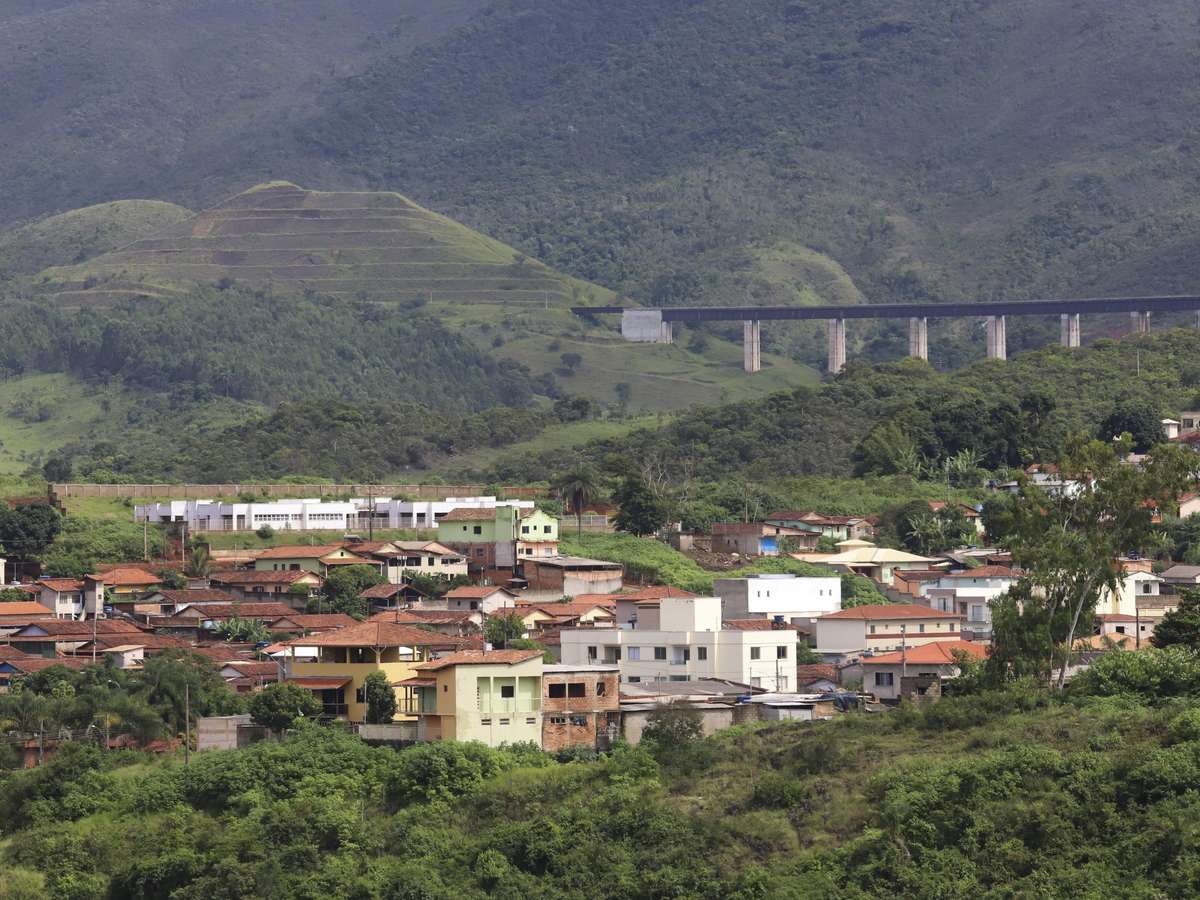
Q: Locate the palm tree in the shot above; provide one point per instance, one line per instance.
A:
(580, 485)
(199, 564)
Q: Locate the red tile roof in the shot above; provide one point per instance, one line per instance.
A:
(479, 657)
(69, 628)
(197, 595)
(127, 576)
(62, 585)
(575, 608)
(474, 592)
(316, 620)
(240, 610)
(423, 616)
(986, 572)
(320, 682)
(939, 653)
(810, 672)
(25, 609)
(891, 611)
(249, 577)
(380, 634)
(654, 592)
(31, 664)
(9, 652)
(466, 514)
(300, 551)
(250, 668)
(382, 591)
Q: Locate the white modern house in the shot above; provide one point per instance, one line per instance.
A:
(70, 598)
(786, 598)
(312, 513)
(689, 644)
(968, 594)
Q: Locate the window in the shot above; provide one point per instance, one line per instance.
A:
(634, 679)
(504, 721)
(531, 721)
(660, 652)
(445, 688)
(600, 688)
(486, 721)
(591, 652)
(635, 654)
(702, 653)
(577, 689)
(756, 652)
(781, 652)
(883, 679)
(558, 720)
(872, 629)
(507, 691)
(921, 627)
(360, 696)
(679, 678)
(524, 529)
(557, 691)
(580, 721)
(545, 529)
(478, 529)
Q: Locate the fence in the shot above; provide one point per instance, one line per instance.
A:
(206, 491)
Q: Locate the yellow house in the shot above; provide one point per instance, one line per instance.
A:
(317, 559)
(493, 696)
(346, 656)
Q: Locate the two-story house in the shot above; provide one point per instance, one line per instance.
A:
(537, 535)
(346, 656)
(493, 696)
(968, 593)
(70, 598)
(690, 643)
(891, 626)
(403, 559)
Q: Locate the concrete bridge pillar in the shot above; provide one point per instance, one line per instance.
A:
(997, 341)
(1141, 322)
(1070, 330)
(918, 337)
(751, 345)
(837, 345)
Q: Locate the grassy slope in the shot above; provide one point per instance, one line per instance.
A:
(42, 412)
(388, 248)
(73, 236)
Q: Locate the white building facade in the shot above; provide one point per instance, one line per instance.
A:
(786, 597)
(312, 514)
(689, 644)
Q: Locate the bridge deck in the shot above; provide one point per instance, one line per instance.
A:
(916, 310)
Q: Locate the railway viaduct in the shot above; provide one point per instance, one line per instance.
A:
(656, 325)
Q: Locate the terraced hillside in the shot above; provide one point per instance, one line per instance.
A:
(378, 245)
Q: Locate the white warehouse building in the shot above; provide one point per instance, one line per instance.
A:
(312, 514)
(689, 644)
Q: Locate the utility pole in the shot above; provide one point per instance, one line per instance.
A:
(370, 512)
(41, 741)
(145, 541)
(95, 614)
(187, 723)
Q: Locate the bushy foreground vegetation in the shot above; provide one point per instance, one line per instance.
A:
(997, 794)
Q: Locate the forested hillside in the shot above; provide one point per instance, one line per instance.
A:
(679, 151)
(996, 795)
(906, 418)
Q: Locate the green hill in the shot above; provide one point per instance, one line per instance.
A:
(81, 234)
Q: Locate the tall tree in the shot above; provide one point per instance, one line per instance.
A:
(380, 697)
(1181, 625)
(500, 630)
(279, 705)
(1069, 540)
(640, 512)
(579, 486)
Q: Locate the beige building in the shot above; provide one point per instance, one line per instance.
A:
(493, 696)
(346, 656)
(689, 643)
(891, 626)
(864, 558)
(915, 671)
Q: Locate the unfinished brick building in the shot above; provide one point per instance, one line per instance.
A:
(581, 706)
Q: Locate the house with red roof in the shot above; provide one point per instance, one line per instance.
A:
(890, 626)
(916, 672)
(487, 599)
(71, 598)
